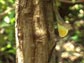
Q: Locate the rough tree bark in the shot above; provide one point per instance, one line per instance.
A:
(35, 38)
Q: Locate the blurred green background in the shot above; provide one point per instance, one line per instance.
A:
(7, 31)
(73, 47)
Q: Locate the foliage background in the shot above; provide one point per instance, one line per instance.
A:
(7, 33)
(71, 47)
(74, 42)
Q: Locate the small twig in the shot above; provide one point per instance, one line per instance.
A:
(6, 12)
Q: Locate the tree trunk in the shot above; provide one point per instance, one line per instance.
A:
(35, 38)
